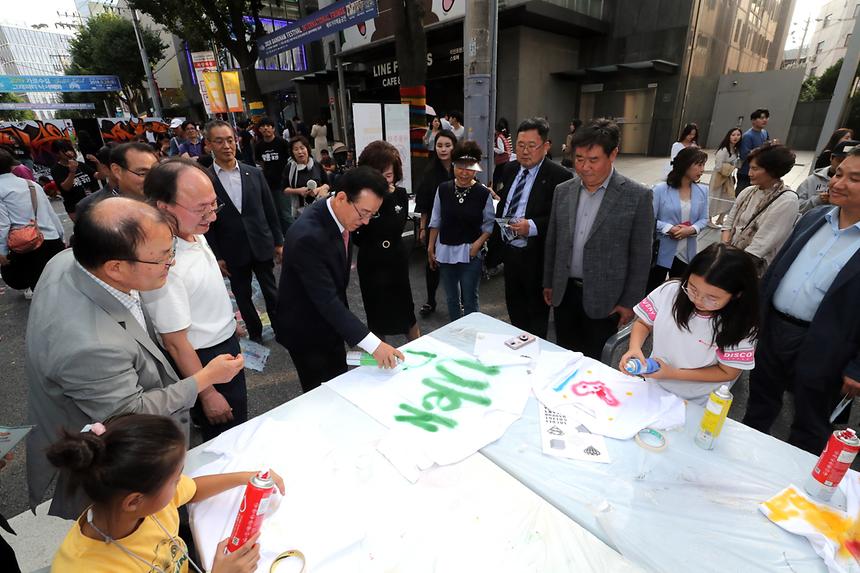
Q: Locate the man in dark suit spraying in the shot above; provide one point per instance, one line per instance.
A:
(313, 319)
(246, 237)
(526, 201)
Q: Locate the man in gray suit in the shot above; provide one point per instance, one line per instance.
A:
(598, 244)
(91, 350)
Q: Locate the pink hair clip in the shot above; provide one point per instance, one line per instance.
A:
(96, 428)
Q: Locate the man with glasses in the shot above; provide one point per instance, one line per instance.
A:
(313, 317)
(526, 201)
(91, 350)
(129, 164)
(192, 312)
(246, 237)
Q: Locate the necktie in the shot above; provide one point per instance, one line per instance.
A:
(345, 236)
(518, 192)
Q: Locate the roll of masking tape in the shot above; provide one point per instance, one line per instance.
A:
(289, 554)
(651, 439)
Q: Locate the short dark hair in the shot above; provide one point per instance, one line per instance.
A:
(458, 115)
(97, 240)
(602, 132)
(538, 123)
(265, 121)
(161, 183)
(732, 270)
(6, 162)
(44, 178)
(467, 148)
(380, 155)
(760, 112)
(577, 123)
(62, 146)
(356, 180)
(685, 158)
(136, 453)
(119, 154)
(186, 123)
(774, 158)
(215, 123)
(299, 139)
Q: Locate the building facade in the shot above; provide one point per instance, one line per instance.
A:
(833, 27)
(652, 65)
(34, 52)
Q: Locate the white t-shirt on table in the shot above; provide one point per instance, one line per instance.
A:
(194, 297)
(693, 349)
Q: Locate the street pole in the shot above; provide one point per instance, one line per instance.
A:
(344, 112)
(842, 92)
(150, 79)
(219, 68)
(479, 81)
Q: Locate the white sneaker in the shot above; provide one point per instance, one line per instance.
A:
(28, 294)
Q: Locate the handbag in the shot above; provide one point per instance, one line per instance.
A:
(26, 238)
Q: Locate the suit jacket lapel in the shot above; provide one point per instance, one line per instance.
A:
(107, 302)
(573, 205)
(510, 173)
(221, 193)
(538, 186)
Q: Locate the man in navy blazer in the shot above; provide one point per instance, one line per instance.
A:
(246, 237)
(810, 334)
(313, 318)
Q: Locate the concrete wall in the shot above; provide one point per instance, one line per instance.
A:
(739, 94)
(806, 124)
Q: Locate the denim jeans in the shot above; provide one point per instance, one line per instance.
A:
(461, 280)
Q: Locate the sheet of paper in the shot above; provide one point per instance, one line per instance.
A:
(255, 354)
(10, 436)
(607, 401)
(442, 404)
(563, 437)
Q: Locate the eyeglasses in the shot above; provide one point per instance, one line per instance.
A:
(363, 216)
(141, 174)
(527, 146)
(171, 259)
(708, 302)
(219, 141)
(206, 211)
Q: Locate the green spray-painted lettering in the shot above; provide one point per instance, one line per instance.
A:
(424, 420)
(428, 355)
(445, 397)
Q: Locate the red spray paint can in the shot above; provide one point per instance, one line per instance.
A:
(255, 501)
(839, 453)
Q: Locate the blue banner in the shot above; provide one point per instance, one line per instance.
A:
(28, 106)
(59, 84)
(328, 20)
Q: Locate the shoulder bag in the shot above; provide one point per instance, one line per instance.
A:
(27, 238)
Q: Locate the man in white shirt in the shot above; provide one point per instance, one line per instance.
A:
(192, 312)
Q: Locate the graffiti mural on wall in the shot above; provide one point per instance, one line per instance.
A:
(36, 134)
(120, 130)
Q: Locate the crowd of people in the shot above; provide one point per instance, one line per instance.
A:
(159, 232)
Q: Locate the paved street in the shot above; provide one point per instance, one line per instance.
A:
(279, 382)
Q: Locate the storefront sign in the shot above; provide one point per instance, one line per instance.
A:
(442, 61)
(327, 20)
(59, 84)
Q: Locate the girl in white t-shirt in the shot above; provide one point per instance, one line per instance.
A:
(704, 324)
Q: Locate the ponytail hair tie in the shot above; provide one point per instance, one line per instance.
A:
(96, 428)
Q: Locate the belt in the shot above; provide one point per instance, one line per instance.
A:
(790, 319)
(576, 282)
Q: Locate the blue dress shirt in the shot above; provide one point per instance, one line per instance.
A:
(520, 211)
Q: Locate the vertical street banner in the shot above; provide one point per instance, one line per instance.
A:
(212, 85)
(325, 21)
(232, 91)
(397, 134)
(204, 62)
(367, 124)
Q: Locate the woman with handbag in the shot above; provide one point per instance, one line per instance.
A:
(722, 186)
(30, 231)
(765, 212)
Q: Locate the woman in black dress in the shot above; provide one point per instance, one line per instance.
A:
(438, 171)
(383, 257)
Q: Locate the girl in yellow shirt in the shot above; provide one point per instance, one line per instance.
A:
(131, 468)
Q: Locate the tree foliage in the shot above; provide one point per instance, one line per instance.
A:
(200, 21)
(14, 115)
(107, 45)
